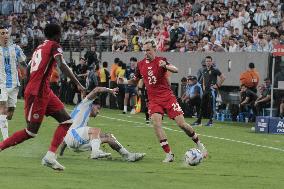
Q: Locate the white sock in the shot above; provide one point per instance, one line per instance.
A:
(125, 108)
(50, 154)
(4, 126)
(95, 143)
(123, 151)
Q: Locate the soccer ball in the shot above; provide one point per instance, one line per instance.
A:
(193, 157)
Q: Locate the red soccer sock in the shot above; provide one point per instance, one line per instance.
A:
(58, 136)
(17, 138)
(165, 145)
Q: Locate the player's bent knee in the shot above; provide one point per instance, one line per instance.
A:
(30, 133)
(94, 130)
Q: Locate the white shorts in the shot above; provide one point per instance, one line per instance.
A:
(78, 139)
(9, 95)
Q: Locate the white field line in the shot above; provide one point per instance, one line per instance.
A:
(208, 136)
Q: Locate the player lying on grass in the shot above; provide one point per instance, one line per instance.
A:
(80, 137)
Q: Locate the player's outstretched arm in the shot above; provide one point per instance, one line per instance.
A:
(67, 71)
(98, 90)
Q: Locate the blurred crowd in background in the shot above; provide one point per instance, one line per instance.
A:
(175, 25)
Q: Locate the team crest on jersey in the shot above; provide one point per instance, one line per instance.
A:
(60, 50)
(35, 116)
(150, 72)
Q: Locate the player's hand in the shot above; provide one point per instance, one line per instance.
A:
(162, 63)
(114, 91)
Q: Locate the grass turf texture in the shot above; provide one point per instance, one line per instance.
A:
(230, 164)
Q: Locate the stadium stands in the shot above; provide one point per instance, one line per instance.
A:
(175, 25)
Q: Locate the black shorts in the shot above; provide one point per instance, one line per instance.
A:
(131, 90)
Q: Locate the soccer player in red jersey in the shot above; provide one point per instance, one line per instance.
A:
(153, 70)
(39, 98)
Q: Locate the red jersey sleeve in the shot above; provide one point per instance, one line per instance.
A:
(56, 49)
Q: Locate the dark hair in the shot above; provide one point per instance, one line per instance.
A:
(183, 79)
(208, 57)
(105, 64)
(133, 59)
(120, 63)
(116, 60)
(123, 66)
(251, 65)
(150, 42)
(2, 27)
(52, 30)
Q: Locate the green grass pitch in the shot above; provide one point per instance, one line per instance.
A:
(238, 158)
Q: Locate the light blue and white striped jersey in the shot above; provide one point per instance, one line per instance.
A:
(80, 114)
(10, 58)
(80, 117)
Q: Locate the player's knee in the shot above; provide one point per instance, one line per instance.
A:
(109, 136)
(94, 131)
(32, 133)
(181, 123)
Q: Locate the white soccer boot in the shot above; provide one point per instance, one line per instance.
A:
(133, 112)
(49, 160)
(99, 154)
(202, 149)
(169, 158)
(132, 157)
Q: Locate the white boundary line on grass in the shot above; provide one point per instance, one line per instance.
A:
(208, 136)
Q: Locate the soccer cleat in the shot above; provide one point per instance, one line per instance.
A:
(147, 121)
(197, 123)
(99, 154)
(133, 111)
(209, 123)
(123, 112)
(169, 158)
(132, 157)
(203, 150)
(51, 162)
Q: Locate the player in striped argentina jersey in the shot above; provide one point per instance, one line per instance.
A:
(80, 137)
(11, 56)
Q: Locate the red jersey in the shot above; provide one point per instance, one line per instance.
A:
(42, 63)
(155, 79)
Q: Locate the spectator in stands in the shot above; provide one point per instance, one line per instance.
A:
(91, 57)
(263, 101)
(250, 78)
(120, 47)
